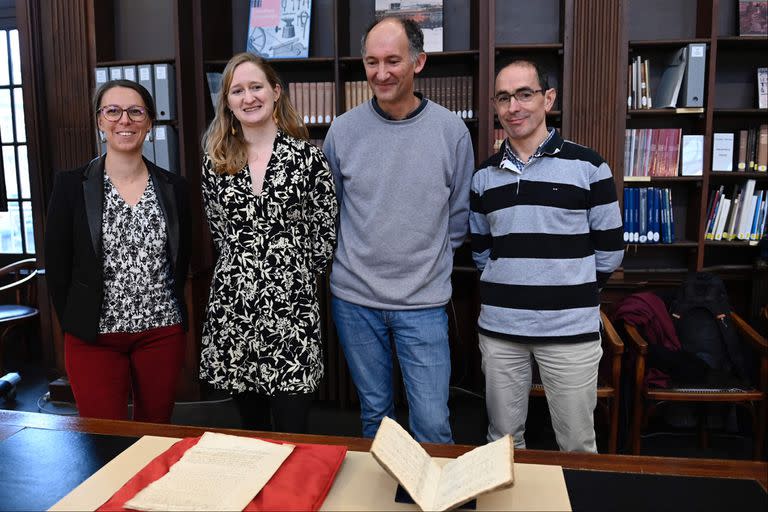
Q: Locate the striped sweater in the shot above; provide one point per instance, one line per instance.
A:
(546, 239)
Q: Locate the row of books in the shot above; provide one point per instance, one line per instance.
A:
(355, 93)
(652, 151)
(648, 216)
(453, 92)
(681, 81)
(751, 155)
(158, 79)
(739, 215)
(315, 101)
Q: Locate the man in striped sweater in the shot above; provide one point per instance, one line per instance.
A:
(546, 235)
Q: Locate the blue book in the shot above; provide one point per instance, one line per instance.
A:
(626, 214)
(756, 216)
(662, 218)
(635, 215)
(671, 216)
(653, 233)
(643, 213)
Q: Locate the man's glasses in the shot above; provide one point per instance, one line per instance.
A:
(503, 99)
(114, 113)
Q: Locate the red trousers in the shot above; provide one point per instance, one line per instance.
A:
(104, 373)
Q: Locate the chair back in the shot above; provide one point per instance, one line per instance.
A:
(21, 278)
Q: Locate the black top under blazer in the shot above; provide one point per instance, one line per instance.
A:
(73, 253)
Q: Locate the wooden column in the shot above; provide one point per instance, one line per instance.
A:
(598, 79)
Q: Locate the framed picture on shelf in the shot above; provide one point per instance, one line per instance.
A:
(753, 18)
(427, 13)
(279, 29)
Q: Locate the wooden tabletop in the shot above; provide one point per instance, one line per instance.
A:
(13, 421)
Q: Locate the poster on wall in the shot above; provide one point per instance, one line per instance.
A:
(279, 29)
(427, 13)
(753, 18)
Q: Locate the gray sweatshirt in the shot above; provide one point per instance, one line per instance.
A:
(403, 190)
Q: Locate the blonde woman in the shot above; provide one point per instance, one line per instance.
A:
(271, 207)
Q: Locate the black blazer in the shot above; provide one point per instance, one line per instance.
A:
(73, 255)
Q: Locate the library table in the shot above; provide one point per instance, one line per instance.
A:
(43, 457)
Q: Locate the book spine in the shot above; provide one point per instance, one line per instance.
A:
(648, 93)
(713, 203)
(742, 163)
(653, 233)
(751, 146)
(756, 216)
(636, 215)
(762, 149)
(671, 216)
(643, 211)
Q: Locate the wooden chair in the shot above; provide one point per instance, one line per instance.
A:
(646, 399)
(21, 275)
(608, 381)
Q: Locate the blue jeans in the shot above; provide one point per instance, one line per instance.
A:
(421, 343)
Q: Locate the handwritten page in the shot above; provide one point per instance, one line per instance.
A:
(407, 461)
(221, 472)
(480, 470)
(432, 487)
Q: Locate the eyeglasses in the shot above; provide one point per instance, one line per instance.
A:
(114, 113)
(503, 99)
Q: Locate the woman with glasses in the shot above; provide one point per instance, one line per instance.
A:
(270, 202)
(116, 253)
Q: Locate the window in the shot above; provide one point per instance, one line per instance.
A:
(16, 226)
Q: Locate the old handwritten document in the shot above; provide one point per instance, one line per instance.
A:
(433, 487)
(221, 472)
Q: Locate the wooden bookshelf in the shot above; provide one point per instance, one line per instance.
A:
(583, 45)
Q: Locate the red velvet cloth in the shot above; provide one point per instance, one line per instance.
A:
(301, 483)
(647, 312)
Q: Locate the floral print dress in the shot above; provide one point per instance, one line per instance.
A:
(262, 327)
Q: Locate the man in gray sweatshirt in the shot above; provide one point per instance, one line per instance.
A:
(403, 167)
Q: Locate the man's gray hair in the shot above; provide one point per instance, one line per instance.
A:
(412, 31)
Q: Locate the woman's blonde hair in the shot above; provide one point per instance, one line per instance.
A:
(228, 150)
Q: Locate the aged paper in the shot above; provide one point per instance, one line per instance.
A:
(481, 470)
(360, 485)
(407, 461)
(221, 472)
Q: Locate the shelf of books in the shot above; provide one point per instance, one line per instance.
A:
(737, 183)
(327, 78)
(665, 140)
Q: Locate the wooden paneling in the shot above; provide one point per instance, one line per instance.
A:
(67, 76)
(55, 46)
(599, 56)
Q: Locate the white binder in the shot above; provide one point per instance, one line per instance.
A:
(129, 73)
(102, 77)
(165, 92)
(166, 148)
(148, 148)
(145, 78)
(116, 73)
(695, 70)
